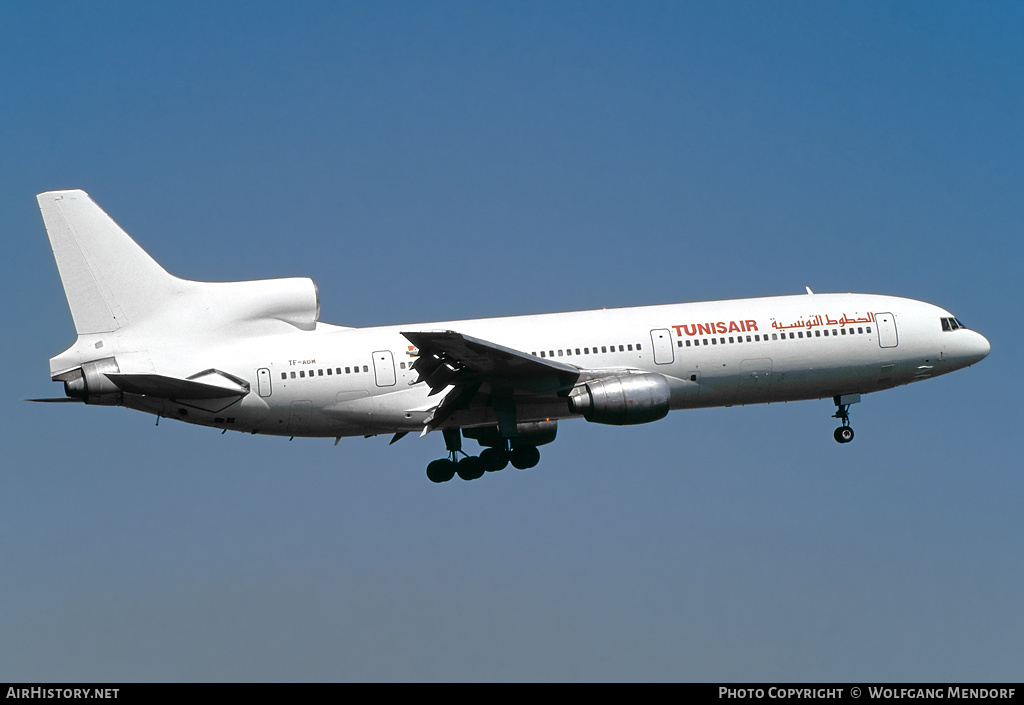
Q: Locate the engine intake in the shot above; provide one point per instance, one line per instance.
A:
(622, 400)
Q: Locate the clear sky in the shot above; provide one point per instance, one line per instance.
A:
(433, 161)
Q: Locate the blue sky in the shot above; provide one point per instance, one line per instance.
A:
(433, 161)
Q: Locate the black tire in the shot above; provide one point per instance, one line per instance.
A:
(524, 457)
(494, 459)
(843, 434)
(441, 470)
(470, 468)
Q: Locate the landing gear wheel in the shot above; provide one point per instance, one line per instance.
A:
(470, 468)
(843, 434)
(524, 457)
(441, 470)
(494, 459)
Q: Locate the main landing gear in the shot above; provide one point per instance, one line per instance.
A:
(470, 467)
(844, 434)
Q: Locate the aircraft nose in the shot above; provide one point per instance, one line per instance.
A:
(979, 347)
(971, 348)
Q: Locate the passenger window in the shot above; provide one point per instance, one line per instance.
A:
(284, 375)
(302, 373)
(293, 375)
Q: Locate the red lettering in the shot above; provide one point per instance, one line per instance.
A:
(715, 327)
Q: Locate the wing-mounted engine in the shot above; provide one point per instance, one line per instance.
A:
(622, 400)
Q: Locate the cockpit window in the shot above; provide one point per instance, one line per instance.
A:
(951, 324)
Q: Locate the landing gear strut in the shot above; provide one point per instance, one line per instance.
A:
(844, 434)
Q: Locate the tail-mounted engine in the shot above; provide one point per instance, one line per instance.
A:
(90, 383)
(622, 400)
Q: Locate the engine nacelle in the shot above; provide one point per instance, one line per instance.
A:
(91, 385)
(622, 400)
(531, 433)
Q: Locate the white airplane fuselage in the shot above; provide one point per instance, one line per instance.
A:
(335, 381)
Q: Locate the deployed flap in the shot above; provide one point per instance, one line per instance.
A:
(447, 357)
(462, 363)
(163, 387)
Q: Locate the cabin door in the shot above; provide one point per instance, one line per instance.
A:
(661, 339)
(384, 368)
(263, 382)
(886, 324)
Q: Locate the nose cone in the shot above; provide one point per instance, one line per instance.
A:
(978, 348)
(968, 347)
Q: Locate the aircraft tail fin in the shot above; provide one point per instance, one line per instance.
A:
(108, 279)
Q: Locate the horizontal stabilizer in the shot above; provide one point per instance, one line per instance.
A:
(163, 387)
(59, 400)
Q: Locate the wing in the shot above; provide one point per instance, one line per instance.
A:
(451, 359)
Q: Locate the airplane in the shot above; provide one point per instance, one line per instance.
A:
(253, 356)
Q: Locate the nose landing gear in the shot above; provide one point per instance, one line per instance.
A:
(844, 434)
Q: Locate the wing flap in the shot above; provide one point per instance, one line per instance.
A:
(463, 364)
(448, 357)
